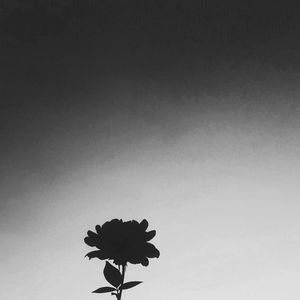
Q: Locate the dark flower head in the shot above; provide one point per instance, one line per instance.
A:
(122, 242)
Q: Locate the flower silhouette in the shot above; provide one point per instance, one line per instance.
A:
(122, 242)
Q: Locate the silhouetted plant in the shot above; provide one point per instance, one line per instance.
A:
(122, 242)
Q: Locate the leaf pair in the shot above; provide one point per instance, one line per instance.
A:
(114, 277)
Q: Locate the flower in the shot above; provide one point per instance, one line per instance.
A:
(122, 242)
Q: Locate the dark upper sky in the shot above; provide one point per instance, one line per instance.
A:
(146, 36)
(68, 67)
(64, 46)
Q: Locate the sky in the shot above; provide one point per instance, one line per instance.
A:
(185, 113)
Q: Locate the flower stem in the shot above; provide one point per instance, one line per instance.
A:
(119, 295)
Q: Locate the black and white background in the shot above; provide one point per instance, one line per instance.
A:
(186, 113)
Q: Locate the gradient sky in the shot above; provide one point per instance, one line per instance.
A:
(185, 113)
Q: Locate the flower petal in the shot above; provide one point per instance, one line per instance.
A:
(92, 234)
(150, 235)
(99, 254)
(119, 260)
(145, 261)
(151, 251)
(134, 260)
(90, 241)
(98, 228)
(144, 224)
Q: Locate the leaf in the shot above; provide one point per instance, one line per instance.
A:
(105, 289)
(112, 274)
(130, 284)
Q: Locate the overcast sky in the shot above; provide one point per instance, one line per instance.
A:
(185, 113)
